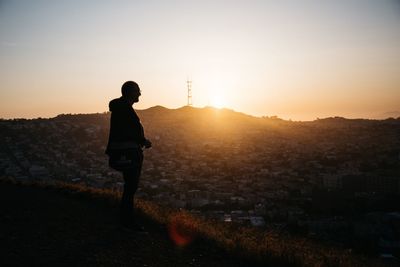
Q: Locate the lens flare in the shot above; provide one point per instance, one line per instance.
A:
(180, 233)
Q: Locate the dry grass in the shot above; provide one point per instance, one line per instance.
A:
(249, 243)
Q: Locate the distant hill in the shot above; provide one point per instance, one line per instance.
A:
(390, 114)
(189, 111)
(190, 124)
(211, 114)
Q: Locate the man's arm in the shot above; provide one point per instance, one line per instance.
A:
(147, 143)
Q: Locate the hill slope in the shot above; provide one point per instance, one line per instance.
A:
(42, 227)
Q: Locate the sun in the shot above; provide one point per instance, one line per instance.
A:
(217, 101)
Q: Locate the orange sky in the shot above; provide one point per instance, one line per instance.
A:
(296, 59)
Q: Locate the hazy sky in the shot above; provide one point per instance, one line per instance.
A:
(295, 59)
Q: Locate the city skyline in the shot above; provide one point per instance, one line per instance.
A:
(297, 60)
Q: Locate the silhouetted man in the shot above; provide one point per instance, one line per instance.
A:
(125, 147)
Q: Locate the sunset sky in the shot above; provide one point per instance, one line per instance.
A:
(295, 59)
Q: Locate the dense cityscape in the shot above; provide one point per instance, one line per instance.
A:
(333, 179)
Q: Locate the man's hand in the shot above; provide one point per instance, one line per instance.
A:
(147, 143)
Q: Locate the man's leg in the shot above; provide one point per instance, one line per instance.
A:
(131, 179)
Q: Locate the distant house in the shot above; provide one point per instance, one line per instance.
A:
(39, 172)
(257, 221)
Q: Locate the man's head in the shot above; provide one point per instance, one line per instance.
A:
(131, 92)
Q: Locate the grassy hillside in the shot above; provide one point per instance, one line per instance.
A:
(63, 224)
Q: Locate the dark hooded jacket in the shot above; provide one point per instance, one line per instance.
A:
(125, 124)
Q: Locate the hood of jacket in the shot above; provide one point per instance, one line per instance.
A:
(118, 104)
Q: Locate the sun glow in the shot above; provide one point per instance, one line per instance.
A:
(217, 91)
(217, 101)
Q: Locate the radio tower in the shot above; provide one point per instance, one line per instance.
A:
(189, 95)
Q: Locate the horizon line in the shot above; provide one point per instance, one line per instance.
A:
(218, 109)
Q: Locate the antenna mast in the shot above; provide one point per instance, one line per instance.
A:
(189, 92)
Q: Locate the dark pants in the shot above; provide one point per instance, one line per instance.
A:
(131, 179)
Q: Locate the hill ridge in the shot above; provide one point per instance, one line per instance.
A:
(394, 115)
